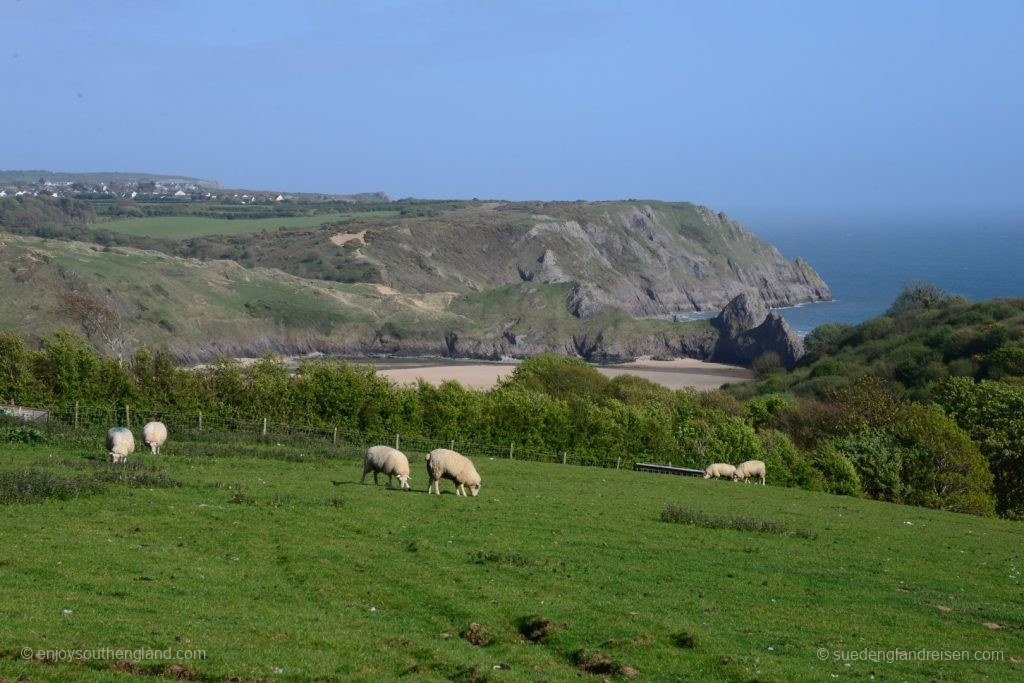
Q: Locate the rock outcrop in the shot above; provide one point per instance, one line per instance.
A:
(747, 329)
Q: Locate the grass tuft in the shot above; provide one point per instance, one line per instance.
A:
(679, 515)
(37, 485)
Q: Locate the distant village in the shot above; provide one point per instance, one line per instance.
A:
(142, 191)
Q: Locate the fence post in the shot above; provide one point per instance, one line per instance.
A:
(76, 414)
(618, 463)
(511, 449)
(334, 439)
(451, 445)
(398, 441)
(127, 417)
(264, 426)
(563, 457)
(200, 420)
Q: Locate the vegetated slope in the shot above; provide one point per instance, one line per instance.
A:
(918, 342)
(178, 227)
(648, 258)
(510, 279)
(204, 309)
(276, 563)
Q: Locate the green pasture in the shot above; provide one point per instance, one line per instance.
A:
(185, 227)
(274, 561)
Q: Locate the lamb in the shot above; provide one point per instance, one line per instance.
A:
(719, 469)
(389, 461)
(445, 464)
(750, 468)
(154, 434)
(120, 443)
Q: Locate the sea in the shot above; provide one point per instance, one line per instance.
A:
(866, 265)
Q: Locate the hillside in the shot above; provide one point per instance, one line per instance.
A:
(479, 279)
(204, 309)
(649, 258)
(274, 562)
(924, 338)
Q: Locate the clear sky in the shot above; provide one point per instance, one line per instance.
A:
(763, 109)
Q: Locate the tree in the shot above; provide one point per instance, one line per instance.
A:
(992, 413)
(917, 295)
(100, 321)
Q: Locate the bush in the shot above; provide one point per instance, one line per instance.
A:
(36, 486)
(763, 411)
(825, 339)
(22, 435)
(1004, 361)
(837, 472)
(768, 363)
(678, 515)
(821, 387)
(826, 368)
(784, 464)
(560, 377)
(918, 296)
(879, 461)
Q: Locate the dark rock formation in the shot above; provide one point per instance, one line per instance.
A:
(747, 329)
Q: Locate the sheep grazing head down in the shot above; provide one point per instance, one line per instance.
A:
(474, 489)
(403, 481)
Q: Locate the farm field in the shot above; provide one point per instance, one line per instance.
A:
(185, 227)
(275, 562)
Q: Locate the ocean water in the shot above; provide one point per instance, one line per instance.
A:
(866, 266)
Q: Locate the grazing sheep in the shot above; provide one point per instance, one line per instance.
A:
(750, 468)
(389, 461)
(445, 464)
(719, 469)
(120, 443)
(154, 434)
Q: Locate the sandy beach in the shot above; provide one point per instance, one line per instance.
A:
(674, 374)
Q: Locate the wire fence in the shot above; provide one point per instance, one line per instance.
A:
(93, 421)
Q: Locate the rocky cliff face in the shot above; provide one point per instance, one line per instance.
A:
(604, 281)
(746, 329)
(652, 259)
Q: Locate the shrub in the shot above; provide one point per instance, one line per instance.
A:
(825, 339)
(1007, 360)
(820, 387)
(763, 411)
(22, 435)
(837, 472)
(878, 460)
(918, 295)
(826, 368)
(678, 515)
(768, 363)
(784, 464)
(37, 485)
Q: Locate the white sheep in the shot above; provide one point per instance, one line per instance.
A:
(120, 443)
(719, 469)
(446, 464)
(750, 468)
(154, 434)
(389, 461)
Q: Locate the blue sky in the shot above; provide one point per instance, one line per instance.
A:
(767, 110)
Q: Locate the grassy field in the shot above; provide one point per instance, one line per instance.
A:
(275, 562)
(185, 227)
